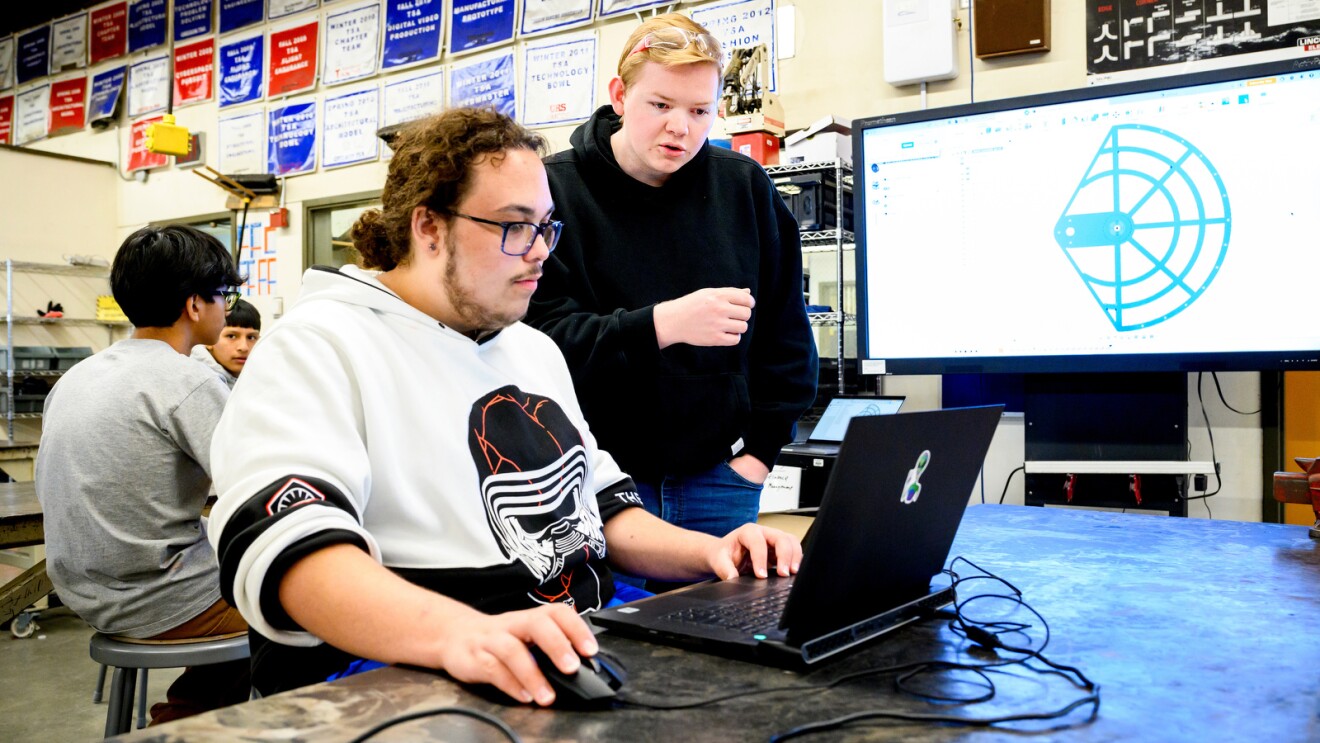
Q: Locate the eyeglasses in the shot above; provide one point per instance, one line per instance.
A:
(231, 297)
(677, 38)
(522, 234)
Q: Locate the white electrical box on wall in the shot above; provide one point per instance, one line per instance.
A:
(920, 39)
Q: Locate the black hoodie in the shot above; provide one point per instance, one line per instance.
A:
(626, 246)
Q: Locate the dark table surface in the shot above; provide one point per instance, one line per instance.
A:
(20, 515)
(1195, 630)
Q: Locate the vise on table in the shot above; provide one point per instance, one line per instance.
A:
(1301, 487)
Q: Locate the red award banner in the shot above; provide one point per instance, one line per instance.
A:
(7, 120)
(292, 59)
(139, 158)
(194, 72)
(109, 32)
(68, 105)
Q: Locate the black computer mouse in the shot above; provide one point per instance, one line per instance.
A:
(595, 684)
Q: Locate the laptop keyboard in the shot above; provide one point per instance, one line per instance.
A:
(756, 615)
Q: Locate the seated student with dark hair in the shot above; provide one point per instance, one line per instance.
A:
(123, 469)
(227, 356)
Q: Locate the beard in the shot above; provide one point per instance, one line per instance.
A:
(481, 319)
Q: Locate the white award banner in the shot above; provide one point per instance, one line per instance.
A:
(7, 45)
(619, 7)
(281, 8)
(149, 86)
(413, 98)
(352, 44)
(68, 43)
(540, 16)
(559, 80)
(742, 24)
(31, 113)
(243, 143)
(350, 124)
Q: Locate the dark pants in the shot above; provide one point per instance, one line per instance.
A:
(203, 688)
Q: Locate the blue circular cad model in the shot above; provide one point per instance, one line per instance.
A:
(1147, 229)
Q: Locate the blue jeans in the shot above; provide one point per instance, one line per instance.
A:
(715, 502)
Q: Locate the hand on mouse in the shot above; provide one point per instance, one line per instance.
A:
(753, 548)
(493, 649)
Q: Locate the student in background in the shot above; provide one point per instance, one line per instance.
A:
(676, 296)
(124, 466)
(227, 356)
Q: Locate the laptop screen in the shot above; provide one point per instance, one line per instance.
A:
(833, 422)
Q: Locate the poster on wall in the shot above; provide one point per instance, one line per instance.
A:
(149, 86)
(280, 8)
(31, 113)
(107, 89)
(740, 25)
(349, 129)
(412, 33)
(108, 37)
(479, 24)
(68, 105)
(1133, 39)
(139, 157)
(540, 16)
(7, 119)
(559, 80)
(486, 81)
(291, 139)
(241, 71)
(68, 43)
(236, 14)
(33, 54)
(192, 18)
(194, 72)
(243, 143)
(7, 44)
(293, 52)
(413, 98)
(146, 24)
(352, 44)
(619, 7)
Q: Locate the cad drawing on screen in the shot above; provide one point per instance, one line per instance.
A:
(1147, 229)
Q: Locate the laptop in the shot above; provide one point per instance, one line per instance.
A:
(880, 539)
(825, 437)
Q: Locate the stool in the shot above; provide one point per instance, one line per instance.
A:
(128, 656)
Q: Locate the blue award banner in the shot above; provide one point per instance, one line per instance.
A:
(146, 24)
(487, 82)
(291, 139)
(412, 32)
(107, 87)
(242, 65)
(477, 24)
(33, 54)
(192, 18)
(236, 14)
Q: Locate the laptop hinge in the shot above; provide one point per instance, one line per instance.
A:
(820, 648)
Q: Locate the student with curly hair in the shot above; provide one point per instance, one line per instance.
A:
(423, 488)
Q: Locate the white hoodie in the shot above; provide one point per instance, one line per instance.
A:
(466, 467)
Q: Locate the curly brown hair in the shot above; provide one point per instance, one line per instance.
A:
(432, 167)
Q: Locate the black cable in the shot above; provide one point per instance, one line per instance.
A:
(1219, 481)
(1215, 376)
(1002, 495)
(474, 714)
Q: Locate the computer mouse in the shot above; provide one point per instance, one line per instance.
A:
(596, 683)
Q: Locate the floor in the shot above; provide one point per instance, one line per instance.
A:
(47, 680)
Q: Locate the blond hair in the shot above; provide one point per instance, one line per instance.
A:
(630, 63)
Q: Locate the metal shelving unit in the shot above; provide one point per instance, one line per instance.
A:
(9, 320)
(837, 240)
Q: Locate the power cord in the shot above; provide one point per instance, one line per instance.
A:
(435, 712)
(1007, 480)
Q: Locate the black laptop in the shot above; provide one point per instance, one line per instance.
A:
(825, 437)
(872, 562)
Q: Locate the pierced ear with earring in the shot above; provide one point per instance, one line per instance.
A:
(432, 247)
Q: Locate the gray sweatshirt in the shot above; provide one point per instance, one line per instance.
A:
(122, 473)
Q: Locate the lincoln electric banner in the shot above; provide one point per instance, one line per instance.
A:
(478, 24)
(192, 18)
(488, 81)
(241, 68)
(291, 139)
(412, 32)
